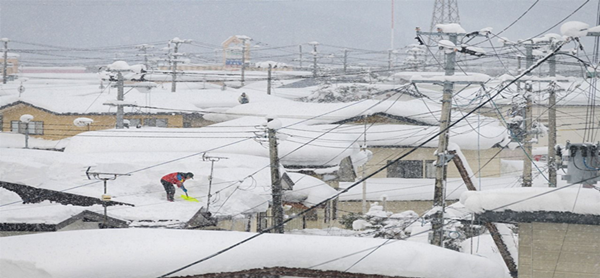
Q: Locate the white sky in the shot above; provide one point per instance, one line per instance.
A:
(361, 24)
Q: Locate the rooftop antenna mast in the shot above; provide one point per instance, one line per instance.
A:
(212, 160)
(103, 177)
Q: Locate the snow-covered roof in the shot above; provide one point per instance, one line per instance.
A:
(451, 28)
(241, 136)
(132, 255)
(241, 183)
(564, 199)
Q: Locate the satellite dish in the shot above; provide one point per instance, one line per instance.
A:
(26, 118)
(82, 122)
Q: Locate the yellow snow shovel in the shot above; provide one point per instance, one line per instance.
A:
(188, 198)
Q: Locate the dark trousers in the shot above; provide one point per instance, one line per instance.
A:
(169, 188)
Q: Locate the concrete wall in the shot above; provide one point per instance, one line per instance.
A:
(559, 250)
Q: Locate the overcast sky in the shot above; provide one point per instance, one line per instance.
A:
(362, 24)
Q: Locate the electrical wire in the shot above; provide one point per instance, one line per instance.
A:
(535, 65)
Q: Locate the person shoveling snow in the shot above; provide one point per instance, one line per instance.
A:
(178, 178)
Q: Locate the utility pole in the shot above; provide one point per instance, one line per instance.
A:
(144, 48)
(443, 157)
(442, 150)
(552, 125)
(174, 59)
(120, 99)
(277, 191)
(269, 80)
(243, 71)
(528, 120)
(345, 59)
(4, 68)
(527, 115)
(314, 44)
(364, 184)
(300, 58)
(119, 67)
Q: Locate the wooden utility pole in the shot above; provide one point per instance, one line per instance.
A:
(314, 44)
(300, 58)
(345, 59)
(120, 99)
(144, 48)
(528, 119)
(5, 66)
(364, 166)
(443, 157)
(551, 159)
(528, 144)
(120, 94)
(442, 150)
(276, 190)
(174, 59)
(269, 80)
(243, 72)
(174, 68)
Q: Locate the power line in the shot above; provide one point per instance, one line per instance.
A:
(535, 65)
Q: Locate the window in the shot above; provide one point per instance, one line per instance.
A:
(408, 169)
(161, 122)
(35, 127)
(430, 169)
(134, 122)
(158, 122)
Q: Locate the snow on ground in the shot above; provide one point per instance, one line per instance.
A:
(155, 252)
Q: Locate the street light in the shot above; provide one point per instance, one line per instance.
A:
(26, 118)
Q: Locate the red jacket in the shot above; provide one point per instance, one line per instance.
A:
(175, 178)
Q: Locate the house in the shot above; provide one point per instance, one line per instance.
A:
(56, 102)
(55, 183)
(52, 125)
(236, 51)
(558, 228)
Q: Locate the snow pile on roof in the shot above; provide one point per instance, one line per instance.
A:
(317, 113)
(574, 29)
(474, 77)
(119, 66)
(241, 184)
(451, 28)
(138, 253)
(308, 190)
(242, 136)
(561, 199)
